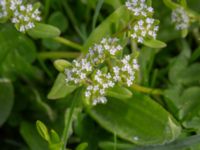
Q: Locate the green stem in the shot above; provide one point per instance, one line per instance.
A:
(73, 19)
(46, 8)
(98, 8)
(57, 55)
(115, 141)
(68, 43)
(146, 90)
(44, 67)
(68, 122)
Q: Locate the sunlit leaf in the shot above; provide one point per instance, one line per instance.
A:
(139, 120)
(119, 92)
(44, 31)
(154, 43)
(60, 89)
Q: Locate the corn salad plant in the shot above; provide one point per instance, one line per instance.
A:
(99, 74)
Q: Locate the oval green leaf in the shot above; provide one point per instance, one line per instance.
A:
(139, 120)
(54, 137)
(61, 64)
(43, 131)
(44, 31)
(154, 43)
(82, 146)
(119, 92)
(59, 20)
(60, 89)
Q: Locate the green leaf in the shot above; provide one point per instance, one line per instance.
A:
(183, 3)
(82, 146)
(60, 89)
(32, 137)
(170, 4)
(43, 131)
(154, 43)
(55, 143)
(172, 97)
(61, 64)
(114, 3)
(57, 19)
(190, 109)
(44, 31)
(54, 136)
(146, 59)
(6, 99)
(177, 68)
(16, 53)
(184, 33)
(139, 120)
(181, 144)
(195, 55)
(191, 75)
(51, 44)
(120, 18)
(11, 40)
(119, 92)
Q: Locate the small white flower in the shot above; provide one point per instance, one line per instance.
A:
(125, 71)
(3, 9)
(99, 100)
(87, 94)
(24, 16)
(139, 8)
(144, 29)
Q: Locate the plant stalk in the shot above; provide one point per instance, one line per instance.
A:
(68, 122)
(68, 43)
(146, 90)
(57, 55)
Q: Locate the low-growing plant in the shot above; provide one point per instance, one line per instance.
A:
(100, 74)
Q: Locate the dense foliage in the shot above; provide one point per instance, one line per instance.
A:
(99, 74)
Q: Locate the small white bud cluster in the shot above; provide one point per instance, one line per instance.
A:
(3, 9)
(21, 14)
(145, 26)
(97, 90)
(88, 71)
(125, 71)
(78, 73)
(24, 15)
(180, 18)
(107, 47)
(139, 8)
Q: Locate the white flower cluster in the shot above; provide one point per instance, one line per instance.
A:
(125, 70)
(22, 15)
(107, 47)
(180, 18)
(139, 8)
(78, 73)
(3, 9)
(97, 89)
(145, 26)
(88, 70)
